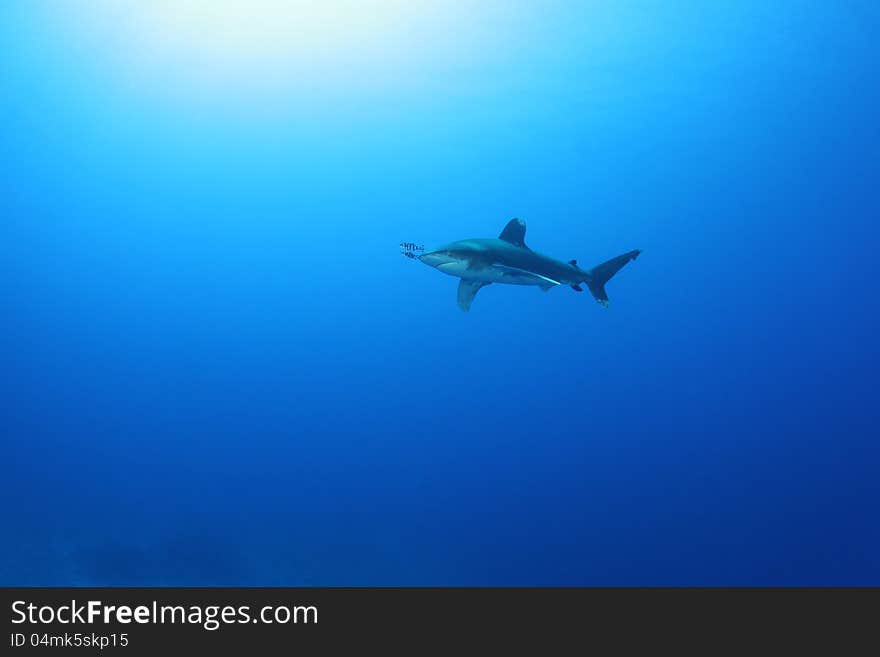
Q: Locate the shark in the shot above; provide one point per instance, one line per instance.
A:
(479, 262)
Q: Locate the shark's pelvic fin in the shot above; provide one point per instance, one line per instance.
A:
(515, 233)
(601, 274)
(467, 290)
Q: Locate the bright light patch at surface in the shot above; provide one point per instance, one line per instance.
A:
(269, 47)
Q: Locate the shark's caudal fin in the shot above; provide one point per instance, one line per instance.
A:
(467, 290)
(601, 274)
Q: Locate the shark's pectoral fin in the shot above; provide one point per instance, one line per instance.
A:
(467, 290)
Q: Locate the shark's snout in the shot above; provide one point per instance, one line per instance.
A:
(437, 258)
(448, 261)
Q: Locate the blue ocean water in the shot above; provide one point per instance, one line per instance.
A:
(217, 368)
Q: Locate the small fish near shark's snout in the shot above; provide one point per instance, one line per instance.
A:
(506, 259)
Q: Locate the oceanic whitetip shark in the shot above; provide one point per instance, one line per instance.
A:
(483, 261)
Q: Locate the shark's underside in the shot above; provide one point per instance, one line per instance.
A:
(507, 259)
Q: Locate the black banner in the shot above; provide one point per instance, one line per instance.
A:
(172, 620)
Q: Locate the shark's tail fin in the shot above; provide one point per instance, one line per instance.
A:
(601, 274)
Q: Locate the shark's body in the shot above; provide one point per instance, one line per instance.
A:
(506, 259)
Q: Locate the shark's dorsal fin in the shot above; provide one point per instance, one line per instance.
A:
(573, 263)
(514, 232)
(467, 290)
